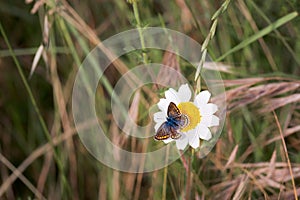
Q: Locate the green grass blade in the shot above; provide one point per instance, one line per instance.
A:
(260, 34)
(279, 35)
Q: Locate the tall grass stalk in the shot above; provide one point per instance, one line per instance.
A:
(140, 29)
(32, 99)
(210, 35)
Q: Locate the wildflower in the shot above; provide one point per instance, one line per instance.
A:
(199, 115)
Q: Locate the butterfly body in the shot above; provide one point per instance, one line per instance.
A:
(174, 121)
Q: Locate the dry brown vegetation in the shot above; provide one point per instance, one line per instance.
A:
(257, 155)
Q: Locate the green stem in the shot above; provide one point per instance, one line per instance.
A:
(139, 27)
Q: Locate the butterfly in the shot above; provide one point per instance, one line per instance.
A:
(175, 121)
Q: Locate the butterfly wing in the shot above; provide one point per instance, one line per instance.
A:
(173, 110)
(163, 132)
(174, 134)
(183, 120)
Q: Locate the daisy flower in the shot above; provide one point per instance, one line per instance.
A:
(199, 113)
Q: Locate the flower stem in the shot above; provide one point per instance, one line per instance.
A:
(185, 165)
(164, 192)
(188, 181)
(189, 176)
(139, 27)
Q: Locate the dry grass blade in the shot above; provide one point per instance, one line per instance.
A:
(256, 183)
(226, 189)
(244, 81)
(133, 117)
(19, 174)
(276, 103)
(287, 133)
(286, 195)
(266, 182)
(286, 155)
(273, 89)
(44, 172)
(186, 15)
(116, 185)
(36, 59)
(102, 194)
(245, 94)
(232, 156)
(284, 175)
(272, 165)
(218, 66)
(36, 5)
(261, 179)
(170, 60)
(42, 48)
(241, 188)
(64, 118)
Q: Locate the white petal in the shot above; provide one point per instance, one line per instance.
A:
(208, 109)
(194, 140)
(166, 141)
(203, 132)
(195, 143)
(159, 116)
(182, 142)
(202, 98)
(184, 93)
(215, 121)
(163, 105)
(210, 121)
(171, 96)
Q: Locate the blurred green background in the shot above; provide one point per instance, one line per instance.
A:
(256, 45)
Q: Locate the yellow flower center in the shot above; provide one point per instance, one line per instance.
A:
(192, 112)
